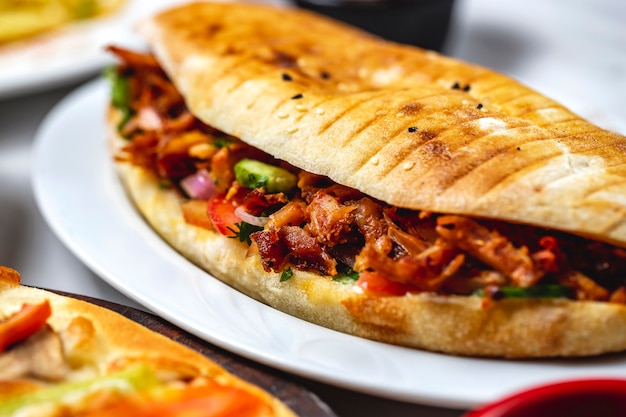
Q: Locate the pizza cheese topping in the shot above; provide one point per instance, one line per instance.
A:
(314, 224)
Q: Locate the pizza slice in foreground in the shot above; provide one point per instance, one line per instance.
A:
(60, 356)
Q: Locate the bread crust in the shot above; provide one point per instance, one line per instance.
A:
(112, 342)
(478, 152)
(452, 324)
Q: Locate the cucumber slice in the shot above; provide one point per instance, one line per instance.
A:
(256, 174)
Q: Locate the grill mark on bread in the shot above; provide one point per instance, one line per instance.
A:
(604, 186)
(531, 109)
(240, 82)
(420, 102)
(427, 135)
(617, 169)
(283, 103)
(524, 109)
(367, 157)
(429, 145)
(310, 106)
(401, 153)
(572, 151)
(581, 144)
(503, 103)
(360, 128)
(493, 88)
(348, 109)
(553, 127)
(444, 152)
(608, 223)
(411, 109)
(233, 64)
(490, 96)
(599, 145)
(495, 180)
(235, 86)
(279, 106)
(531, 165)
(617, 220)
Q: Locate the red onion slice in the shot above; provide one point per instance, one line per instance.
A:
(199, 186)
(249, 218)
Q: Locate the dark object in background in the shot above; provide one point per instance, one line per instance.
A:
(570, 398)
(418, 22)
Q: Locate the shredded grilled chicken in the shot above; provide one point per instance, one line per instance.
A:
(491, 248)
(325, 227)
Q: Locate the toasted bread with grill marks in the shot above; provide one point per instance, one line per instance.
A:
(408, 126)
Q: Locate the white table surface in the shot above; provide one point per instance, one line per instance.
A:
(572, 50)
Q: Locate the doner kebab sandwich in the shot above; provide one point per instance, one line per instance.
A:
(374, 188)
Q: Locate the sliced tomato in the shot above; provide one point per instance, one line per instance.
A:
(222, 215)
(377, 283)
(211, 400)
(24, 323)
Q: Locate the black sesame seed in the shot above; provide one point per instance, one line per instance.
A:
(325, 75)
(287, 77)
(297, 97)
(456, 86)
(413, 129)
(466, 88)
(480, 106)
(519, 149)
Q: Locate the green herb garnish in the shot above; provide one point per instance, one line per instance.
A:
(243, 231)
(164, 184)
(346, 275)
(222, 142)
(286, 275)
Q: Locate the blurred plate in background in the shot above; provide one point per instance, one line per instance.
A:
(71, 53)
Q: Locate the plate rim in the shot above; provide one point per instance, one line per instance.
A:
(68, 63)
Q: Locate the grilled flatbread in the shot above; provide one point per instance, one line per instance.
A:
(63, 356)
(429, 202)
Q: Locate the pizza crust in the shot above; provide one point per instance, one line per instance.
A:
(451, 324)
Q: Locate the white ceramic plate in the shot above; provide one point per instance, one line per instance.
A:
(80, 197)
(71, 53)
